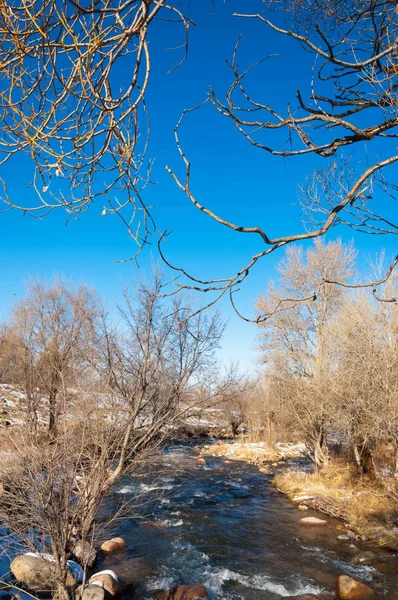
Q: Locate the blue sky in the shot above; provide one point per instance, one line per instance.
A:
(239, 182)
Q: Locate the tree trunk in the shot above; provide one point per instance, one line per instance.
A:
(269, 426)
(235, 428)
(364, 459)
(396, 461)
(321, 454)
(52, 421)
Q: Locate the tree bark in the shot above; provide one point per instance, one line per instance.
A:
(52, 419)
(364, 459)
(321, 454)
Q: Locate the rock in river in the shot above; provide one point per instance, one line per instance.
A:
(114, 544)
(37, 572)
(364, 558)
(313, 521)
(350, 589)
(84, 553)
(108, 580)
(90, 592)
(183, 592)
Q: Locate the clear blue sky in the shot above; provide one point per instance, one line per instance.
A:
(239, 182)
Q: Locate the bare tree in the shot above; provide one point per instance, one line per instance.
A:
(364, 386)
(295, 342)
(151, 374)
(52, 492)
(349, 103)
(6, 351)
(160, 367)
(51, 325)
(65, 115)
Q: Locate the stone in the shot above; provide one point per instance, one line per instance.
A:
(351, 534)
(90, 592)
(113, 545)
(313, 521)
(37, 572)
(108, 580)
(349, 589)
(200, 461)
(343, 537)
(302, 507)
(84, 553)
(364, 558)
(183, 592)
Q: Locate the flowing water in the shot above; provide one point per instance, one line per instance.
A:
(225, 526)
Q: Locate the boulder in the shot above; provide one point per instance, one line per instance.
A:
(364, 558)
(313, 521)
(113, 545)
(302, 507)
(108, 580)
(350, 589)
(84, 553)
(183, 592)
(200, 461)
(37, 572)
(90, 592)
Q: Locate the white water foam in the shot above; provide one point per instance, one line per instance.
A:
(151, 488)
(363, 572)
(217, 578)
(144, 488)
(197, 567)
(172, 522)
(127, 489)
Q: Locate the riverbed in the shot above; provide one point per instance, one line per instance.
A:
(225, 526)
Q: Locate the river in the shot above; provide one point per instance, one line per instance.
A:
(225, 526)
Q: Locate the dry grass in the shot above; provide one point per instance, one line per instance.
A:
(365, 504)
